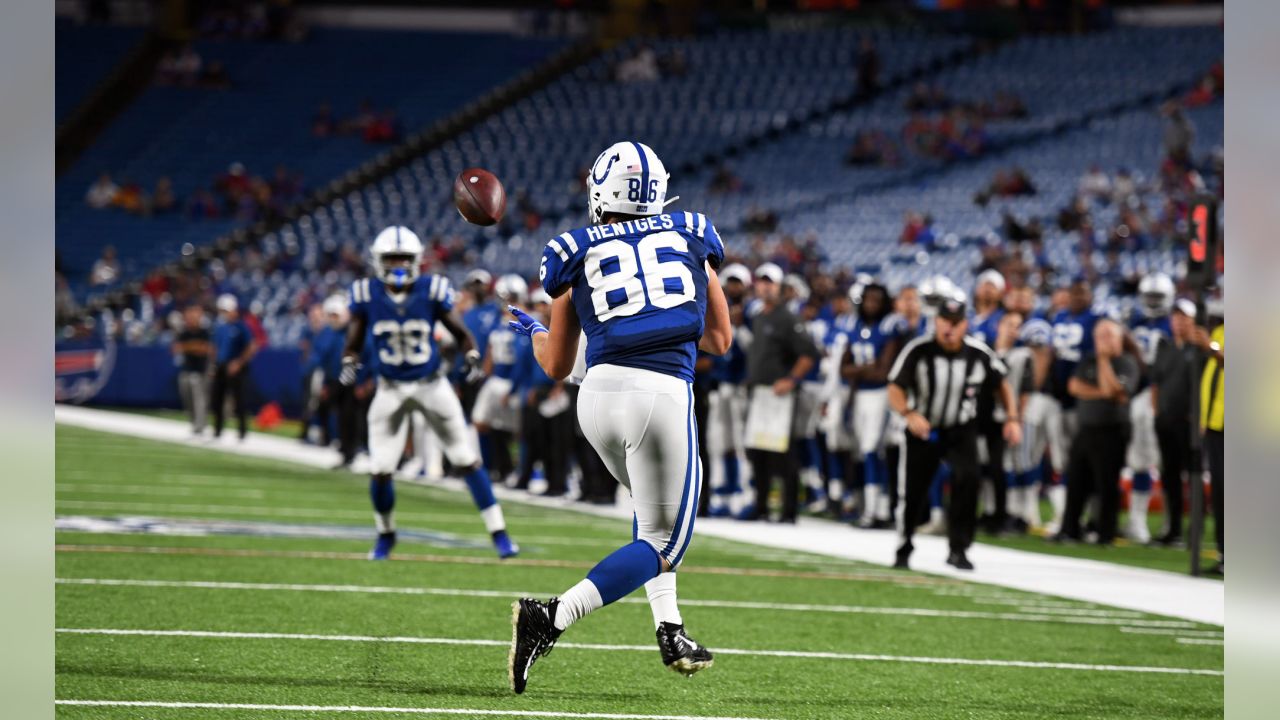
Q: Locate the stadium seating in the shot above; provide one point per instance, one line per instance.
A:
(84, 55)
(1090, 101)
(192, 134)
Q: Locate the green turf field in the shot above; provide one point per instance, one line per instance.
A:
(238, 625)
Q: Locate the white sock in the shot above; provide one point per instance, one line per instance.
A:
(882, 508)
(662, 599)
(1138, 503)
(870, 502)
(1058, 499)
(1014, 500)
(384, 522)
(576, 603)
(493, 520)
(1031, 507)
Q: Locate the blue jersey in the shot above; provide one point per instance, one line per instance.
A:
(984, 327)
(326, 352)
(1072, 340)
(504, 349)
(731, 367)
(1148, 332)
(904, 330)
(867, 343)
(639, 288)
(402, 332)
(230, 339)
(482, 320)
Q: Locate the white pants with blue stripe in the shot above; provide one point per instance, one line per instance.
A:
(641, 424)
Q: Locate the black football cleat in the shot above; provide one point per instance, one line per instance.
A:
(958, 561)
(681, 652)
(902, 559)
(533, 634)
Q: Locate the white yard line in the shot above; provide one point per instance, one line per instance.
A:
(158, 489)
(380, 709)
(1163, 631)
(1097, 619)
(1199, 641)
(1132, 588)
(800, 654)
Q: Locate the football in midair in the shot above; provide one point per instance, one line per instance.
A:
(479, 196)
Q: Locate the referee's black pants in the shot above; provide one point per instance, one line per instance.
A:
(1174, 437)
(959, 448)
(224, 384)
(340, 402)
(1094, 466)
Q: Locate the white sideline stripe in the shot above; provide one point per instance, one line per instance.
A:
(1161, 631)
(459, 517)
(1179, 625)
(379, 709)
(102, 488)
(1199, 641)
(865, 657)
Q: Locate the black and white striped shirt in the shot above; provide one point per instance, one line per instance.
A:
(943, 386)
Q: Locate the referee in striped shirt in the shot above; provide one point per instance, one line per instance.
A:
(935, 384)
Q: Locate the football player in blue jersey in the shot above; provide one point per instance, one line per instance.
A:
(988, 292)
(642, 285)
(730, 473)
(1149, 325)
(869, 352)
(496, 414)
(396, 311)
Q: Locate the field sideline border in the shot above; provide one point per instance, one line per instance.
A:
(1142, 589)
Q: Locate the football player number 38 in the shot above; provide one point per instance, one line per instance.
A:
(403, 342)
(638, 272)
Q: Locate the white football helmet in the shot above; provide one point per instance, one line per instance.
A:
(936, 290)
(1156, 294)
(512, 289)
(397, 243)
(627, 178)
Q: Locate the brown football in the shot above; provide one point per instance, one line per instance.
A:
(479, 196)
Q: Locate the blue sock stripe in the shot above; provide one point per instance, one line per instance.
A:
(383, 495)
(688, 474)
(624, 570)
(481, 489)
(1142, 481)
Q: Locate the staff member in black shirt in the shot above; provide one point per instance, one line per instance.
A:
(782, 352)
(935, 385)
(192, 348)
(1172, 378)
(1102, 385)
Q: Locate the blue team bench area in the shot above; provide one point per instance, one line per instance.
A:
(94, 373)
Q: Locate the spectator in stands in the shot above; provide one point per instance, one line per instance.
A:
(1095, 185)
(106, 269)
(180, 68)
(286, 186)
(215, 76)
(1013, 182)
(322, 122)
(1103, 383)
(927, 98)
(641, 67)
(724, 181)
(191, 349)
(383, 128)
(202, 205)
(868, 68)
(1124, 187)
(163, 199)
(65, 306)
(131, 198)
(760, 220)
(912, 225)
(674, 64)
(1004, 106)
(1074, 215)
(102, 193)
(1179, 133)
(234, 346)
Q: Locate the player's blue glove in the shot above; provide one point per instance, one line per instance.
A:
(524, 323)
(350, 369)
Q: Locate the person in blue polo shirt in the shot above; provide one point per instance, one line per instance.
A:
(233, 346)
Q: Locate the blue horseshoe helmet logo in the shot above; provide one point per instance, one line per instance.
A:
(608, 167)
